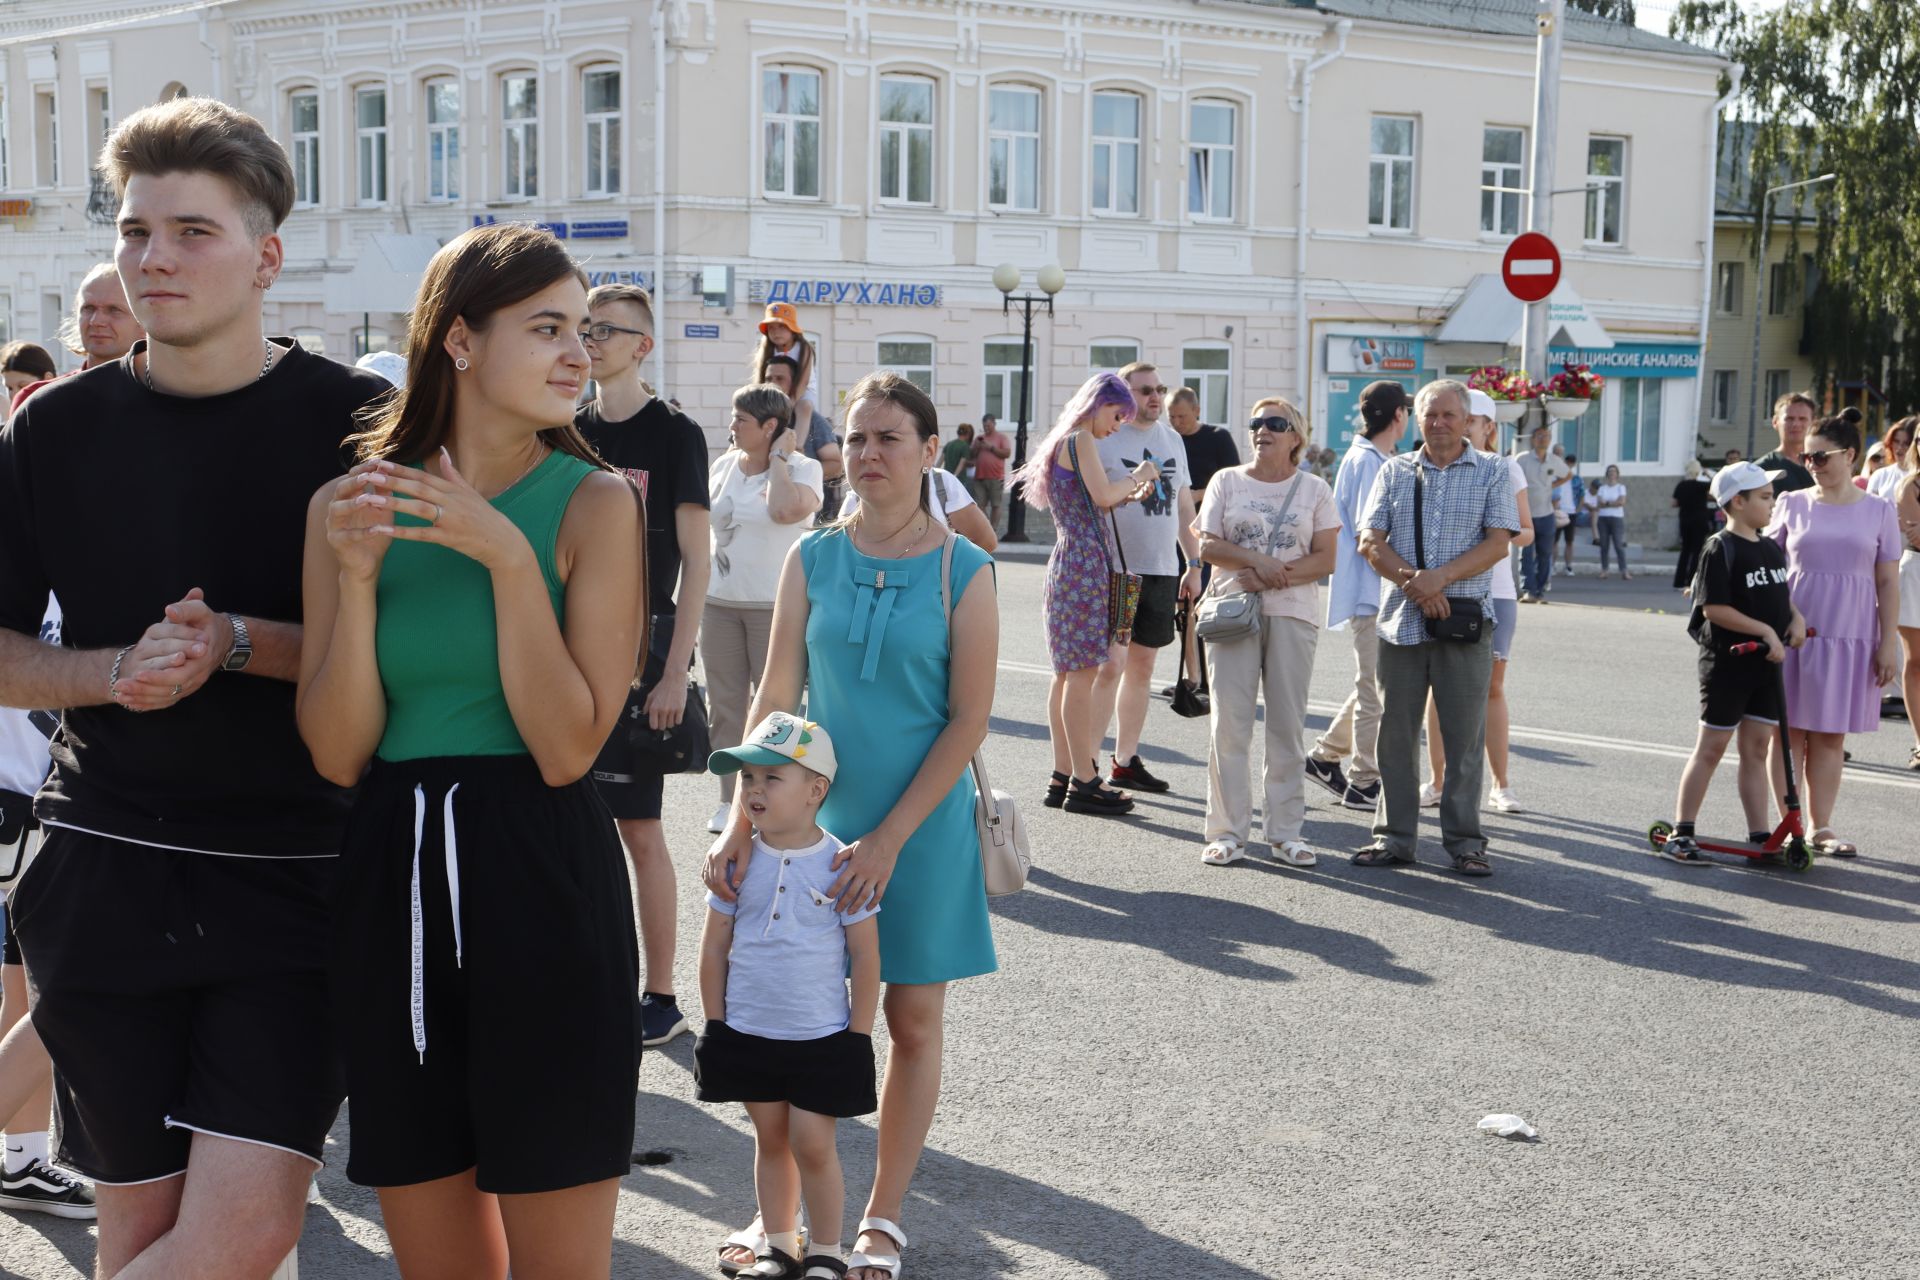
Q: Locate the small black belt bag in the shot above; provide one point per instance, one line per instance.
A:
(1464, 621)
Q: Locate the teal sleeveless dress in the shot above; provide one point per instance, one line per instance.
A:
(877, 652)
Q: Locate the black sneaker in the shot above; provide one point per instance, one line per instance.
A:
(1134, 774)
(1683, 850)
(1328, 774)
(1366, 798)
(47, 1189)
(659, 1021)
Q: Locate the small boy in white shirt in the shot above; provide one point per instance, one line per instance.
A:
(782, 1035)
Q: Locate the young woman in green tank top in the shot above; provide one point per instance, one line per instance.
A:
(474, 599)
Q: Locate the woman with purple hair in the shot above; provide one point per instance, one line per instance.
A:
(1064, 477)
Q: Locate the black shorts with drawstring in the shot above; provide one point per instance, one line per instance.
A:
(487, 978)
(178, 993)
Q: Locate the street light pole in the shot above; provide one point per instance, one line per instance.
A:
(1550, 19)
(1006, 278)
(1759, 283)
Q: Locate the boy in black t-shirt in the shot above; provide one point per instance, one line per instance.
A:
(1739, 595)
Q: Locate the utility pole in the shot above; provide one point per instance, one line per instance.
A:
(1551, 21)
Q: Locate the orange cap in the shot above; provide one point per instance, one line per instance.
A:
(782, 313)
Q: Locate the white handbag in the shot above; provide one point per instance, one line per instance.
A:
(1005, 857)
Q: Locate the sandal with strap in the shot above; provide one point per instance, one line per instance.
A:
(1472, 864)
(1223, 851)
(772, 1264)
(823, 1266)
(1825, 843)
(752, 1239)
(1378, 855)
(1095, 797)
(1296, 853)
(1056, 790)
(886, 1263)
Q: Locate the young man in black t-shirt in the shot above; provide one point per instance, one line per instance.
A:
(175, 924)
(1740, 595)
(665, 453)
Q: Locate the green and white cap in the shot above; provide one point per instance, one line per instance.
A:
(780, 739)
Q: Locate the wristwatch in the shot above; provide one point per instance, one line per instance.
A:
(242, 652)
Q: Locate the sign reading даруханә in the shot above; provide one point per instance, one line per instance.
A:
(858, 293)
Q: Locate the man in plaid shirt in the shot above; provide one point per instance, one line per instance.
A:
(1468, 519)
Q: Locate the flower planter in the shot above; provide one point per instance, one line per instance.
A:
(1509, 410)
(1565, 407)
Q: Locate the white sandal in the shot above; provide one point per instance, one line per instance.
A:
(889, 1263)
(1222, 852)
(1296, 853)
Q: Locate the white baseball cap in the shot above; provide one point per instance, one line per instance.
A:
(390, 365)
(780, 739)
(1479, 404)
(1739, 478)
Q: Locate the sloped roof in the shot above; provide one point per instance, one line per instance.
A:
(1499, 18)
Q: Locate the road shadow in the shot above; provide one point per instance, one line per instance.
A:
(1207, 931)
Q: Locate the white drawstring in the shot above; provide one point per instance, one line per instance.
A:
(419, 985)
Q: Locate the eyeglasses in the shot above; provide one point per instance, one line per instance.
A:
(1818, 457)
(1149, 391)
(603, 332)
(1275, 424)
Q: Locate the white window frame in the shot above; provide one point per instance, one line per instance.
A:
(46, 154)
(789, 124)
(103, 121)
(6, 103)
(1501, 173)
(1114, 145)
(1632, 399)
(6, 315)
(1003, 381)
(1093, 363)
(1389, 165)
(304, 149)
(442, 136)
(1778, 383)
(902, 134)
(1724, 396)
(906, 368)
(521, 133)
(1208, 156)
(371, 151)
(1010, 140)
(1729, 288)
(1206, 383)
(602, 135)
(1605, 189)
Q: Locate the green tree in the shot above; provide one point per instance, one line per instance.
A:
(1833, 86)
(1618, 10)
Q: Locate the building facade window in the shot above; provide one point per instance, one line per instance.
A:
(5, 167)
(366, 342)
(910, 356)
(303, 109)
(790, 129)
(1606, 190)
(100, 114)
(1779, 288)
(1210, 126)
(1390, 174)
(46, 139)
(370, 144)
(1726, 383)
(600, 98)
(1013, 148)
(1112, 354)
(1116, 153)
(906, 140)
(519, 137)
(1640, 419)
(443, 140)
(1729, 287)
(1502, 165)
(1001, 393)
(1777, 386)
(1208, 370)
(6, 317)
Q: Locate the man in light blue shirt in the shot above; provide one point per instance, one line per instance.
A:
(1353, 602)
(1438, 521)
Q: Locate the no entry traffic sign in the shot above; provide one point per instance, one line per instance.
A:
(1531, 268)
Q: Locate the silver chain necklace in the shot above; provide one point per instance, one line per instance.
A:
(265, 365)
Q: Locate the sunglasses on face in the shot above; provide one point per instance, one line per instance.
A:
(1149, 391)
(1818, 457)
(1275, 424)
(604, 332)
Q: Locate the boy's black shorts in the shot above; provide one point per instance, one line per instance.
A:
(1738, 687)
(831, 1076)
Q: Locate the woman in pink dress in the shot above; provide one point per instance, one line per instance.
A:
(1843, 558)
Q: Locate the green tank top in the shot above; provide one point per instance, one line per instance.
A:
(435, 638)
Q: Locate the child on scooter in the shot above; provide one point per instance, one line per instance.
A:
(1739, 595)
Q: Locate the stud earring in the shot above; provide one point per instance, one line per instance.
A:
(461, 364)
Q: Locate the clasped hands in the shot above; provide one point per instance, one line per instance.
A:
(174, 657)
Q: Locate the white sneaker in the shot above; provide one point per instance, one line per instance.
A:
(1430, 796)
(1502, 799)
(718, 822)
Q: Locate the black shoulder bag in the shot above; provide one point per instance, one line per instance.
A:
(1464, 622)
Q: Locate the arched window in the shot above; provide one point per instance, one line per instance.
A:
(910, 355)
(1207, 367)
(1210, 169)
(174, 90)
(1013, 148)
(443, 139)
(303, 145)
(519, 135)
(1117, 118)
(600, 100)
(1111, 355)
(906, 140)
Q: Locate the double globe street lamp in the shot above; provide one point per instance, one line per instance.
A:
(1006, 278)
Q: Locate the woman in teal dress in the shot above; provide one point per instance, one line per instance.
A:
(859, 629)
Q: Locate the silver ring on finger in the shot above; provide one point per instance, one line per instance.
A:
(175, 693)
(439, 512)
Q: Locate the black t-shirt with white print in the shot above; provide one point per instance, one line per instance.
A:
(665, 453)
(1747, 574)
(119, 500)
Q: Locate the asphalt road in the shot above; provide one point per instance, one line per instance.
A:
(1255, 1072)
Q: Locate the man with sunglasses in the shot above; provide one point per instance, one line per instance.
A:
(1153, 533)
(1792, 419)
(665, 453)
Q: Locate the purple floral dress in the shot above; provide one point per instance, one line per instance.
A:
(1076, 592)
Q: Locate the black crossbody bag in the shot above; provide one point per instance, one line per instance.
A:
(1464, 622)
